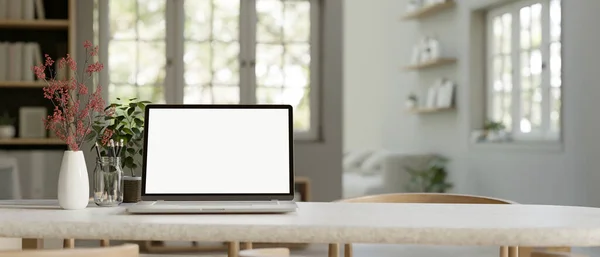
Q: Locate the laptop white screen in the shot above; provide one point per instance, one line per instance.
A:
(217, 151)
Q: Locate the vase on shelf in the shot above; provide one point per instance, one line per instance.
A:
(108, 181)
(73, 183)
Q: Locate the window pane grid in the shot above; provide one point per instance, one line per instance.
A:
(537, 79)
(212, 51)
(502, 69)
(283, 56)
(129, 48)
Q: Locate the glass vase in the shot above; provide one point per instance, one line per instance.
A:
(108, 182)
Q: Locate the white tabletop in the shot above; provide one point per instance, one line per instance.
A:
(439, 224)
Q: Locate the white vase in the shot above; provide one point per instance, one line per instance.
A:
(73, 183)
(7, 131)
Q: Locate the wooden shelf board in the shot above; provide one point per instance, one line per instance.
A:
(31, 141)
(429, 10)
(35, 24)
(27, 84)
(432, 63)
(431, 110)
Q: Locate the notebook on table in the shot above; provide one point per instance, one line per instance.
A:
(217, 159)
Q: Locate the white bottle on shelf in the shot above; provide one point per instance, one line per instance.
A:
(435, 51)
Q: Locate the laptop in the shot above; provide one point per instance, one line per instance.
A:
(217, 159)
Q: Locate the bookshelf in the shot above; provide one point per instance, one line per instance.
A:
(51, 26)
(35, 24)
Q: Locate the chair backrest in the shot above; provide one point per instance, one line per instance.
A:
(266, 252)
(555, 254)
(426, 198)
(126, 250)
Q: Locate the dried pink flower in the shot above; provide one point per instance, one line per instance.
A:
(71, 120)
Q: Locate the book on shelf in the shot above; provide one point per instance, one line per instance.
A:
(3, 11)
(21, 9)
(28, 9)
(3, 61)
(15, 61)
(14, 9)
(21, 57)
(39, 9)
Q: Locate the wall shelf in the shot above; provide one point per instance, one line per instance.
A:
(429, 10)
(22, 84)
(35, 24)
(31, 141)
(430, 110)
(32, 144)
(431, 64)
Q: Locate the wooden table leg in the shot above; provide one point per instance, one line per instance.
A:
(31, 243)
(233, 249)
(334, 250)
(348, 250)
(513, 251)
(104, 242)
(69, 243)
(246, 246)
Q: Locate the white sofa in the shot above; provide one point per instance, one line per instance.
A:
(368, 172)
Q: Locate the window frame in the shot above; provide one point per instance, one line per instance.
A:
(547, 135)
(175, 68)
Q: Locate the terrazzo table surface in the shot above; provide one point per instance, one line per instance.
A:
(434, 224)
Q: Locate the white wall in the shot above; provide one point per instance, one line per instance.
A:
(383, 43)
(366, 73)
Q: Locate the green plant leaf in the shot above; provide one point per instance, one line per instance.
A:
(137, 131)
(132, 99)
(128, 131)
(129, 162)
(138, 122)
(90, 137)
(145, 102)
(131, 151)
(130, 111)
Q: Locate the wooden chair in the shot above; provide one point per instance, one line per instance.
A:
(437, 198)
(555, 254)
(126, 250)
(265, 252)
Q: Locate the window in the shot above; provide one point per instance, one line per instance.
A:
(217, 52)
(524, 69)
(137, 49)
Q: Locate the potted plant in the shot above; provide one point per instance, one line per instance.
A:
(7, 126)
(411, 101)
(126, 126)
(431, 179)
(494, 131)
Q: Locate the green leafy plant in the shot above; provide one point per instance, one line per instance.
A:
(494, 126)
(431, 179)
(412, 97)
(6, 120)
(126, 123)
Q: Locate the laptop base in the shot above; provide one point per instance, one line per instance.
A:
(167, 207)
